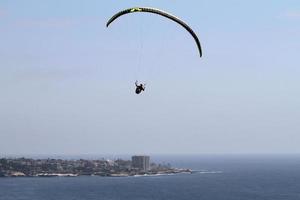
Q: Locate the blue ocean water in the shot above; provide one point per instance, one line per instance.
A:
(219, 178)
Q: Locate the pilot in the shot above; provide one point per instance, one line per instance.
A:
(139, 87)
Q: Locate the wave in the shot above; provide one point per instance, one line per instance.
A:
(206, 172)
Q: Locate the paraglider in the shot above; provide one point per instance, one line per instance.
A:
(141, 87)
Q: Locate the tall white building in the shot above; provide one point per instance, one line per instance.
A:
(141, 162)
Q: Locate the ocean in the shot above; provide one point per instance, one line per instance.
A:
(219, 177)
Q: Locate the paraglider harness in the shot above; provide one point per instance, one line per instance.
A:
(139, 88)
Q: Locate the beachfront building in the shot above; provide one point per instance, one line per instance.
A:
(141, 162)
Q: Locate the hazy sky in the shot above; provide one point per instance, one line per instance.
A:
(67, 81)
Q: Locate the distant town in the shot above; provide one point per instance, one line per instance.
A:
(137, 166)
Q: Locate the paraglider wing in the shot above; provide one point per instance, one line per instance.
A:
(159, 12)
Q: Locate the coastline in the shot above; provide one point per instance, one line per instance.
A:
(25, 167)
(49, 175)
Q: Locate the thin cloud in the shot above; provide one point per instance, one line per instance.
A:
(46, 23)
(55, 22)
(2, 12)
(292, 14)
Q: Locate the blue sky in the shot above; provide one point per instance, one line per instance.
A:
(67, 81)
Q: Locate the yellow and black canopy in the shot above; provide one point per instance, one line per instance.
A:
(159, 12)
